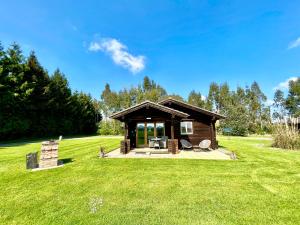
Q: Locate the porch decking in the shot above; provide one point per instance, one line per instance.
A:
(163, 153)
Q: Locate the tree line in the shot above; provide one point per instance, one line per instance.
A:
(287, 105)
(245, 108)
(36, 104)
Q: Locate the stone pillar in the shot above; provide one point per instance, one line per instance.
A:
(49, 154)
(125, 146)
(173, 146)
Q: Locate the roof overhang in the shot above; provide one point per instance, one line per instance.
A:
(119, 115)
(198, 109)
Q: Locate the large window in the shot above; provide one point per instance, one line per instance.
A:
(186, 127)
(160, 129)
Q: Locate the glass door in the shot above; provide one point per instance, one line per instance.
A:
(160, 129)
(145, 131)
(150, 131)
(140, 137)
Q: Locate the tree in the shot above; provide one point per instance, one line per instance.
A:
(34, 104)
(224, 97)
(147, 84)
(213, 98)
(257, 107)
(195, 99)
(236, 111)
(293, 99)
(279, 105)
(110, 101)
(174, 96)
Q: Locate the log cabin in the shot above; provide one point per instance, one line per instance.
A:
(169, 118)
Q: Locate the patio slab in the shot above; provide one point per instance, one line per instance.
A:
(219, 154)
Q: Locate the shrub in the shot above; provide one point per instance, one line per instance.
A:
(110, 127)
(286, 135)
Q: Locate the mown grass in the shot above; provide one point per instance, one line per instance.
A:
(262, 187)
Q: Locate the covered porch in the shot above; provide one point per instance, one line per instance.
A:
(150, 125)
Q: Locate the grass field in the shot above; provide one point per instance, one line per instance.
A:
(262, 187)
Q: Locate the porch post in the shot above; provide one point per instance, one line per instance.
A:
(125, 144)
(172, 127)
(125, 131)
(213, 131)
(173, 143)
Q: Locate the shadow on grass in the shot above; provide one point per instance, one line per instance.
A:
(66, 160)
(221, 146)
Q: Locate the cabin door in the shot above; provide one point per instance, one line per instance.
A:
(140, 135)
(145, 131)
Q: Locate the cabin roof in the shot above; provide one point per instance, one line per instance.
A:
(196, 108)
(120, 114)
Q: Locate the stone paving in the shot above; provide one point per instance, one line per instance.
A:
(219, 154)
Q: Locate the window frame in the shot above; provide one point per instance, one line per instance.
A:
(186, 128)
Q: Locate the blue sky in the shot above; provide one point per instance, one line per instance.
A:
(183, 45)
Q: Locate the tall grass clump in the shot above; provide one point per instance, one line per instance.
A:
(286, 134)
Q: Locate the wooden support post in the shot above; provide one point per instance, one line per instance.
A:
(215, 138)
(172, 127)
(213, 135)
(145, 135)
(125, 131)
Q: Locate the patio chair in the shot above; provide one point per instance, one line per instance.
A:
(205, 144)
(151, 143)
(185, 144)
(164, 141)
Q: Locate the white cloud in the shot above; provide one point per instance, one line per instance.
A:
(119, 54)
(94, 47)
(294, 44)
(285, 84)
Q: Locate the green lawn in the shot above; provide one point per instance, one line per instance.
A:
(262, 187)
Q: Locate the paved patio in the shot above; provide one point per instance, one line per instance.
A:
(219, 154)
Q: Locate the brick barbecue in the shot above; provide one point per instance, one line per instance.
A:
(49, 154)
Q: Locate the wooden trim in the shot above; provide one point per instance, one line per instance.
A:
(120, 115)
(186, 127)
(146, 131)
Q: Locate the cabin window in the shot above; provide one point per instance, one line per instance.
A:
(186, 127)
(160, 129)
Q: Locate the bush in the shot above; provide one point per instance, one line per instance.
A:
(286, 136)
(110, 127)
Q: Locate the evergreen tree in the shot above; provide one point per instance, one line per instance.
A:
(34, 104)
(195, 99)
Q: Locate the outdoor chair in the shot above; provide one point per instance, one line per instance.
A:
(185, 144)
(151, 143)
(205, 144)
(164, 141)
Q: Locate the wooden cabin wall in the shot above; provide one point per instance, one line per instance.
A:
(203, 126)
